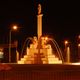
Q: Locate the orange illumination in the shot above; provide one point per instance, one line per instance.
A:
(78, 45)
(76, 63)
(46, 38)
(42, 38)
(66, 42)
(79, 36)
(15, 27)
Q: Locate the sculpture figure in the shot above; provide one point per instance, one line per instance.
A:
(39, 8)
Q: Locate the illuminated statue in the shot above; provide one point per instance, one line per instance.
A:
(39, 8)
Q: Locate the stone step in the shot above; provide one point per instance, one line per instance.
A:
(55, 62)
(30, 58)
(44, 59)
(28, 62)
(20, 62)
(37, 53)
(53, 59)
(45, 62)
(25, 56)
(51, 56)
(23, 59)
(42, 56)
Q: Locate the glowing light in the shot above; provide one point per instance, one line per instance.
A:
(78, 63)
(79, 36)
(15, 27)
(46, 38)
(66, 42)
(78, 45)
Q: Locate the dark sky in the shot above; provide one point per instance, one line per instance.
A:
(60, 19)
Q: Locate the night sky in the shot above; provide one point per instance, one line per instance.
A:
(61, 20)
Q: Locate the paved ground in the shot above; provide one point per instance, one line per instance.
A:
(40, 72)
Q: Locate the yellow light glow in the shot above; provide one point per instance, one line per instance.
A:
(66, 42)
(78, 45)
(15, 27)
(46, 38)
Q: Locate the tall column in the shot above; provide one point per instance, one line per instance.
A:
(39, 22)
(39, 33)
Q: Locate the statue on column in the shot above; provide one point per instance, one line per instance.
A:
(39, 8)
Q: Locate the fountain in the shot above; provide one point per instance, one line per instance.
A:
(40, 50)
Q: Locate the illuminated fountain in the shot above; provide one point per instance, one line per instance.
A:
(40, 50)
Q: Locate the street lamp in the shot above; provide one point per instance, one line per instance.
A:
(67, 51)
(79, 51)
(66, 42)
(13, 28)
(66, 45)
(78, 45)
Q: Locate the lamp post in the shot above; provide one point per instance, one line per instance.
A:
(79, 51)
(13, 28)
(67, 52)
(78, 46)
(66, 44)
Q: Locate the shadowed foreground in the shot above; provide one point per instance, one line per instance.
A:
(39, 72)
